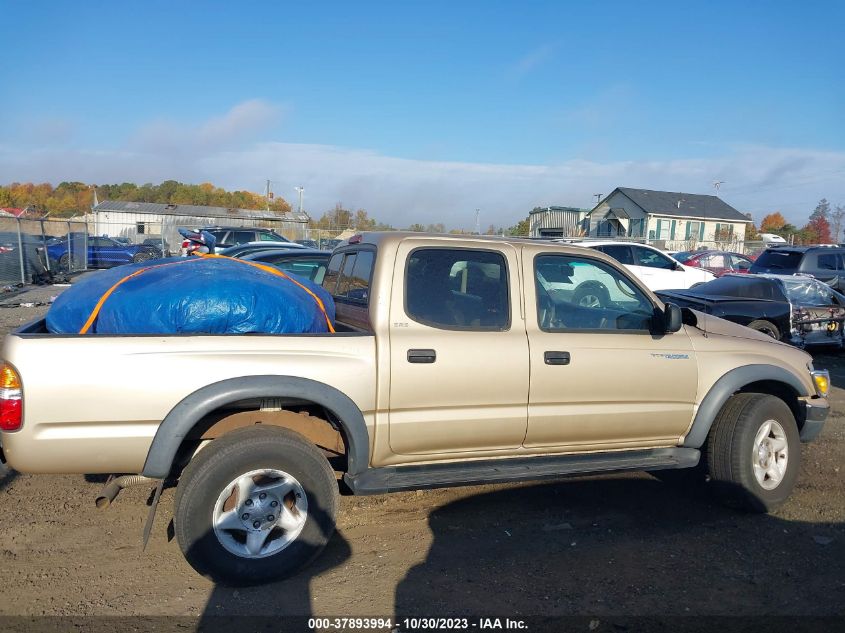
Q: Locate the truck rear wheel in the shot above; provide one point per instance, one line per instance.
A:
(754, 452)
(255, 505)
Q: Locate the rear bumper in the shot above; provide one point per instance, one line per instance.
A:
(817, 410)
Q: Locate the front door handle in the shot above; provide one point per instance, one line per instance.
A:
(556, 358)
(422, 356)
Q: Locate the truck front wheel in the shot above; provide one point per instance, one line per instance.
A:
(754, 452)
(254, 506)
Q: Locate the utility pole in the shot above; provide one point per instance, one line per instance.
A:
(477, 222)
(267, 194)
(597, 196)
(300, 189)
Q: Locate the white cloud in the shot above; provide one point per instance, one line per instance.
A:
(402, 191)
(244, 122)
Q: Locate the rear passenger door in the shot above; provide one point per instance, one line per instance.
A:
(458, 351)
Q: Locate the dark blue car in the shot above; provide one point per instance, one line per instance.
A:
(103, 252)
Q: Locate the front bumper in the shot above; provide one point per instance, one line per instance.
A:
(817, 410)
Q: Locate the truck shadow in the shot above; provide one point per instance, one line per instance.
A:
(620, 546)
(7, 476)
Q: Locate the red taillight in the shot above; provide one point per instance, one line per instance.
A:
(10, 399)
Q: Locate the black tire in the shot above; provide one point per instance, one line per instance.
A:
(144, 256)
(591, 294)
(731, 453)
(766, 327)
(223, 461)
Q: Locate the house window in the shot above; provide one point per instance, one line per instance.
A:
(140, 228)
(695, 230)
(724, 231)
(636, 228)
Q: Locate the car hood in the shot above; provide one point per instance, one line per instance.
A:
(714, 325)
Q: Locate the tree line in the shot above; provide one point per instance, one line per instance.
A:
(69, 199)
(74, 198)
(824, 226)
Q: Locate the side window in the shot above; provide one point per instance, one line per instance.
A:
(242, 237)
(575, 293)
(717, 261)
(354, 282)
(620, 252)
(454, 288)
(829, 261)
(332, 273)
(652, 259)
(740, 264)
(268, 237)
(348, 276)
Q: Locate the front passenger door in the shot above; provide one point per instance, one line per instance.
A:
(600, 378)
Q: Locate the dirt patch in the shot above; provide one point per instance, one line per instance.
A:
(624, 544)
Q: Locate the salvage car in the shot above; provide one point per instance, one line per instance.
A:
(658, 270)
(717, 262)
(102, 252)
(825, 263)
(307, 262)
(795, 309)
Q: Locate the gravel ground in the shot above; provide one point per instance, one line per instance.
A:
(621, 545)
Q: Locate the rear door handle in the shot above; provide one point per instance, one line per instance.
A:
(556, 358)
(422, 356)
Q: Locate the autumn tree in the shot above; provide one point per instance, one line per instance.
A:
(773, 223)
(520, 229)
(817, 230)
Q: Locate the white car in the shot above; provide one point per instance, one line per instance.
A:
(657, 270)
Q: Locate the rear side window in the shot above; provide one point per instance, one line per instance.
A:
(740, 286)
(829, 261)
(348, 276)
(620, 252)
(775, 259)
(453, 288)
(651, 259)
(242, 237)
(269, 237)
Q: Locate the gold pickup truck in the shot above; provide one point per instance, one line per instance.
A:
(456, 361)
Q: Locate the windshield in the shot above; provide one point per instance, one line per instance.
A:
(747, 286)
(774, 259)
(811, 292)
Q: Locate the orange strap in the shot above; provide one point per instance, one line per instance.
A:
(200, 256)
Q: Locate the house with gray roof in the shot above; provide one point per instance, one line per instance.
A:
(666, 216)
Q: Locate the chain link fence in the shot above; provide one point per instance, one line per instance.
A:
(32, 251)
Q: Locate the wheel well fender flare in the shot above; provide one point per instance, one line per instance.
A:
(728, 385)
(182, 418)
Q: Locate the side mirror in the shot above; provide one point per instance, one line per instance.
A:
(672, 318)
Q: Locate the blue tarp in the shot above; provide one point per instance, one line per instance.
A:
(192, 295)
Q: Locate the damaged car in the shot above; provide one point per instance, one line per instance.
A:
(795, 309)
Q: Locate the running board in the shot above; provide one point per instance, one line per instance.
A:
(490, 471)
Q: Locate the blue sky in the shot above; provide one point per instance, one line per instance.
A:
(424, 111)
